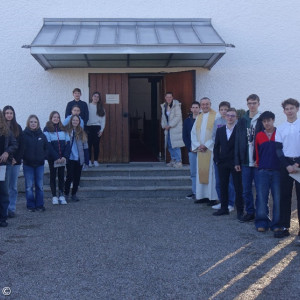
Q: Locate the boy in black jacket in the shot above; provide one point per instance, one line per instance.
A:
(186, 136)
(224, 159)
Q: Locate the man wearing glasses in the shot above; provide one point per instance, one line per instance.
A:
(247, 128)
(224, 159)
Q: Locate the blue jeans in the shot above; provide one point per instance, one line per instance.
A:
(231, 192)
(248, 175)
(266, 180)
(174, 152)
(34, 176)
(12, 177)
(193, 169)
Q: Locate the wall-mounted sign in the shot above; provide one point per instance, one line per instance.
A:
(112, 99)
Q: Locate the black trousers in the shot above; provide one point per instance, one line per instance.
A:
(225, 170)
(4, 200)
(60, 176)
(73, 175)
(93, 140)
(286, 190)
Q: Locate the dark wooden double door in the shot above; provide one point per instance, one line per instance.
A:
(114, 144)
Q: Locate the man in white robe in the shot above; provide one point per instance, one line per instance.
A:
(203, 144)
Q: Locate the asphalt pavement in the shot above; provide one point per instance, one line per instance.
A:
(143, 249)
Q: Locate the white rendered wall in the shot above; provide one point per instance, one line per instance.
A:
(265, 60)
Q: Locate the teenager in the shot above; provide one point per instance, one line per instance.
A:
(247, 128)
(13, 169)
(224, 159)
(79, 156)
(75, 111)
(186, 136)
(58, 153)
(84, 112)
(268, 177)
(171, 122)
(220, 122)
(8, 146)
(288, 150)
(95, 127)
(35, 153)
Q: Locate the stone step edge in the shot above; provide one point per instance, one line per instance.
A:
(133, 169)
(102, 178)
(129, 188)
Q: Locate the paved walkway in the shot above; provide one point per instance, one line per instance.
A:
(143, 249)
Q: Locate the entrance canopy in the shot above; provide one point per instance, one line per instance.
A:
(127, 43)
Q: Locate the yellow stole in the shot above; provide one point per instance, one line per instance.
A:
(204, 157)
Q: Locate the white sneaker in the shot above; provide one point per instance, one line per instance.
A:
(177, 164)
(84, 167)
(171, 163)
(230, 208)
(96, 163)
(54, 200)
(62, 200)
(217, 206)
(91, 164)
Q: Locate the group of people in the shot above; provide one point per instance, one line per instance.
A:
(228, 153)
(71, 144)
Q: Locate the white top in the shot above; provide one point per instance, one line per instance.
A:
(289, 135)
(94, 119)
(229, 132)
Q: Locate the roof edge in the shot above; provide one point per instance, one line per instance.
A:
(127, 20)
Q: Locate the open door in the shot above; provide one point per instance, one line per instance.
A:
(182, 84)
(114, 143)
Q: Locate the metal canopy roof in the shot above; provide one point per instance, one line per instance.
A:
(127, 43)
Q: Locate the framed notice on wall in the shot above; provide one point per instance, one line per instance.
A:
(112, 98)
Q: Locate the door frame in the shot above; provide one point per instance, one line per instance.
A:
(116, 150)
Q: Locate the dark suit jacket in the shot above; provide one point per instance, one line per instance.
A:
(224, 149)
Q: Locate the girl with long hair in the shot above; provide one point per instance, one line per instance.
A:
(14, 168)
(95, 126)
(58, 153)
(35, 153)
(78, 156)
(8, 146)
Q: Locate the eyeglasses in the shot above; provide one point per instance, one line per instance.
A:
(230, 116)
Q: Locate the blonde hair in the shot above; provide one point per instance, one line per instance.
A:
(31, 117)
(3, 126)
(79, 132)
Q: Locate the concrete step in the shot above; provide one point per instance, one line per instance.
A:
(133, 172)
(130, 191)
(133, 180)
(121, 181)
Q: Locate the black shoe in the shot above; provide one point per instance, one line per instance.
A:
(221, 212)
(212, 202)
(240, 217)
(11, 214)
(41, 209)
(200, 201)
(248, 218)
(31, 209)
(74, 198)
(3, 224)
(284, 232)
(190, 196)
